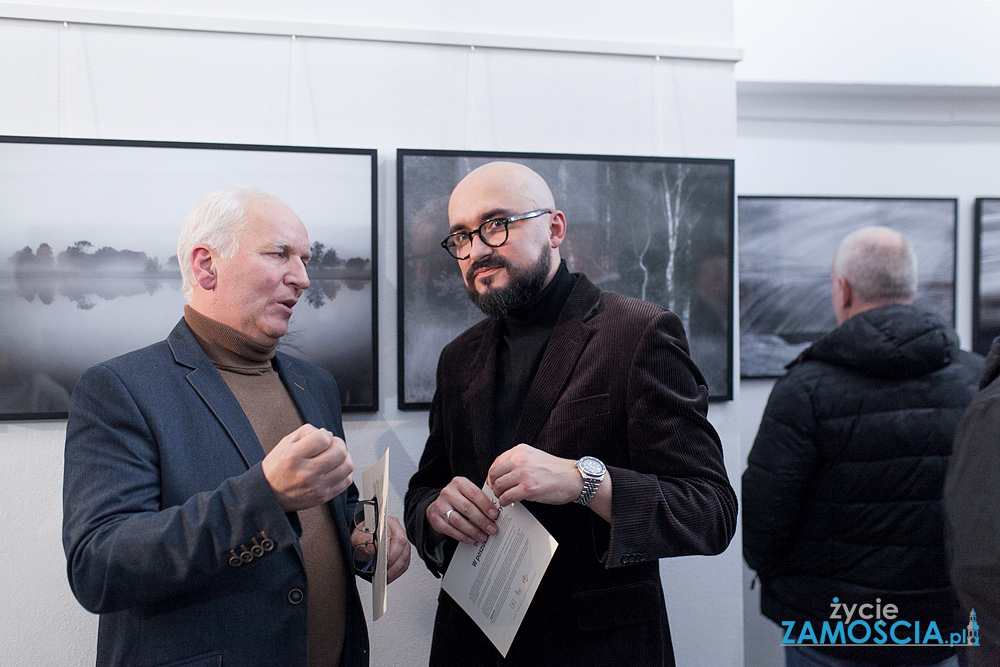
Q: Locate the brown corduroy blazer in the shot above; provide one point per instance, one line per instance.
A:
(615, 382)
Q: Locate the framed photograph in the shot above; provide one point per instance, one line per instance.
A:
(786, 251)
(88, 266)
(659, 229)
(986, 288)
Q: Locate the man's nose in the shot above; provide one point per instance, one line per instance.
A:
(478, 247)
(298, 275)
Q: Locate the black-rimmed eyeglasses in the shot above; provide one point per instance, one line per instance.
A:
(365, 554)
(493, 232)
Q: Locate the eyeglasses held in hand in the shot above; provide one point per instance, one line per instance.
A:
(365, 553)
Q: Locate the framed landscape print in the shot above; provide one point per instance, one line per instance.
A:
(659, 229)
(88, 266)
(986, 290)
(786, 251)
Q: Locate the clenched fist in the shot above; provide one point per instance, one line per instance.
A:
(308, 467)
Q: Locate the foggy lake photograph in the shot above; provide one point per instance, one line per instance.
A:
(786, 253)
(986, 309)
(658, 229)
(88, 266)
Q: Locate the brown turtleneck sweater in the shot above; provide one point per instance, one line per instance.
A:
(246, 367)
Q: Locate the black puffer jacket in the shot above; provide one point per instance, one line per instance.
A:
(842, 496)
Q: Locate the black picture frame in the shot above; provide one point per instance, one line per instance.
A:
(986, 274)
(86, 273)
(609, 201)
(786, 250)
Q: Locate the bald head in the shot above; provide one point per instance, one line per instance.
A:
(873, 267)
(514, 183)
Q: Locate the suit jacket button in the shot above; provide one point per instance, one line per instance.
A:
(295, 596)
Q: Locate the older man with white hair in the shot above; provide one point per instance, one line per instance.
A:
(208, 495)
(842, 494)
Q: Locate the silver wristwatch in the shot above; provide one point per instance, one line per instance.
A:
(592, 471)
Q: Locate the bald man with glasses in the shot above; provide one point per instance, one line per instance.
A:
(585, 406)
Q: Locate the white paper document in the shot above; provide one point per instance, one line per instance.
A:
(494, 581)
(375, 482)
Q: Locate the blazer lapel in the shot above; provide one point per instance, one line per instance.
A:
(304, 400)
(208, 383)
(566, 344)
(478, 397)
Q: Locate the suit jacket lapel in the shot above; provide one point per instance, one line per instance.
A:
(304, 400)
(311, 414)
(478, 397)
(206, 380)
(566, 344)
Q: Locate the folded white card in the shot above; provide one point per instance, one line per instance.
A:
(375, 481)
(494, 581)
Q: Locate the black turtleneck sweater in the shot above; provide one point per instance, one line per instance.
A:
(525, 332)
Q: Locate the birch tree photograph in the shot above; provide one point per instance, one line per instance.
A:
(658, 229)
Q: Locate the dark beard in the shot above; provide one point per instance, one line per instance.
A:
(521, 288)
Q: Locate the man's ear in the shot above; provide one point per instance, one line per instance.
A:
(557, 229)
(846, 294)
(203, 265)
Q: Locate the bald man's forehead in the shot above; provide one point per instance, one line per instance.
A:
(471, 206)
(468, 214)
(494, 190)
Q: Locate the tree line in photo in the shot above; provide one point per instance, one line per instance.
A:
(81, 257)
(80, 271)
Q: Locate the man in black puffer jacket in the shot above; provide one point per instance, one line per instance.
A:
(842, 495)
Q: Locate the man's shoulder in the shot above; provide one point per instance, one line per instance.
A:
(958, 378)
(140, 361)
(147, 370)
(618, 306)
(179, 346)
(802, 374)
(628, 320)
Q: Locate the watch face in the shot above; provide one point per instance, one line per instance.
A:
(591, 466)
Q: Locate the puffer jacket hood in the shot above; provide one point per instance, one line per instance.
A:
(889, 342)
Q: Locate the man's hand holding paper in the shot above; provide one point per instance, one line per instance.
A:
(463, 512)
(495, 580)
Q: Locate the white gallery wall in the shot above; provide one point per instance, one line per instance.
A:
(895, 42)
(562, 76)
(888, 98)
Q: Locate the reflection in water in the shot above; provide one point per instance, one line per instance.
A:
(80, 289)
(55, 328)
(321, 291)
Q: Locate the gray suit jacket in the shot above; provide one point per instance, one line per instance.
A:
(615, 382)
(162, 486)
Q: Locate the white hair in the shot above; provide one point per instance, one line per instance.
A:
(878, 264)
(216, 221)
